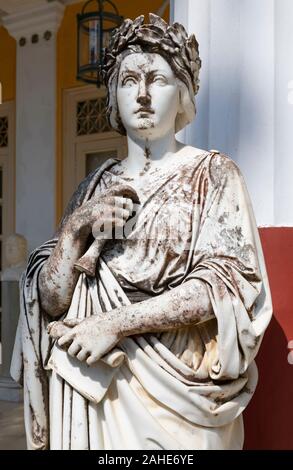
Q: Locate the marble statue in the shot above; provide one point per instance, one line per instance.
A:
(15, 251)
(146, 340)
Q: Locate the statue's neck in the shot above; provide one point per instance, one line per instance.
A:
(141, 150)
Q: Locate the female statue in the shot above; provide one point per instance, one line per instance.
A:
(156, 349)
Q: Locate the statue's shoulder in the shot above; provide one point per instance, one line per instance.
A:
(218, 164)
(222, 166)
(89, 182)
(84, 189)
(79, 194)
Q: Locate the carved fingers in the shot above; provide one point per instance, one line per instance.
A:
(62, 331)
(73, 349)
(87, 340)
(72, 321)
(92, 359)
(101, 347)
(56, 329)
(83, 355)
(103, 214)
(123, 190)
(116, 198)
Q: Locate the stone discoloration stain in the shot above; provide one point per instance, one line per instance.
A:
(39, 434)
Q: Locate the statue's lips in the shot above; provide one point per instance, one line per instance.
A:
(145, 111)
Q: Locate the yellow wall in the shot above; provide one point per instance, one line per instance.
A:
(7, 65)
(66, 65)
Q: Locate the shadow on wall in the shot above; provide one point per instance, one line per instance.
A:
(269, 417)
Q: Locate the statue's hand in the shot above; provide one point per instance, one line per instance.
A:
(88, 340)
(109, 210)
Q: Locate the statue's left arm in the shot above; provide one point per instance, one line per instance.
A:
(184, 305)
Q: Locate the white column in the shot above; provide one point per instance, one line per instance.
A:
(256, 155)
(283, 113)
(195, 16)
(245, 106)
(35, 119)
(224, 76)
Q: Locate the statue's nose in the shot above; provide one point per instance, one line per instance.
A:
(143, 96)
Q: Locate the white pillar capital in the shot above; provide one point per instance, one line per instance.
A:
(35, 20)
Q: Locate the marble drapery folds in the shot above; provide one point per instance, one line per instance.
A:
(181, 389)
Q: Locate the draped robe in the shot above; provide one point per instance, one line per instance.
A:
(180, 389)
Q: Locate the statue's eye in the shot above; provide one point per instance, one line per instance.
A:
(160, 80)
(129, 81)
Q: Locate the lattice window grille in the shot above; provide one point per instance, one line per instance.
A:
(3, 131)
(91, 117)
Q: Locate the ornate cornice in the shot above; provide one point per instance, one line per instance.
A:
(34, 21)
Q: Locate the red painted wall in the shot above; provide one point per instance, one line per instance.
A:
(269, 416)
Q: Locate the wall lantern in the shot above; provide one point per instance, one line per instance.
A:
(95, 24)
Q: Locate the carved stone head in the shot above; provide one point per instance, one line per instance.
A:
(148, 41)
(15, 248)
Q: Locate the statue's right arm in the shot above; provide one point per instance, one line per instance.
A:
(58, 276)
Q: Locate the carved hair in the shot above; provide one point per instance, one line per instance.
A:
(172, 43)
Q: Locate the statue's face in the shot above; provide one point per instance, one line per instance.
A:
(147, 95)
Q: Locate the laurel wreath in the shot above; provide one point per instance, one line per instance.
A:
(171, 41)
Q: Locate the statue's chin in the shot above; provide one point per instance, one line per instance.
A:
(144, 128)
(145, 123)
